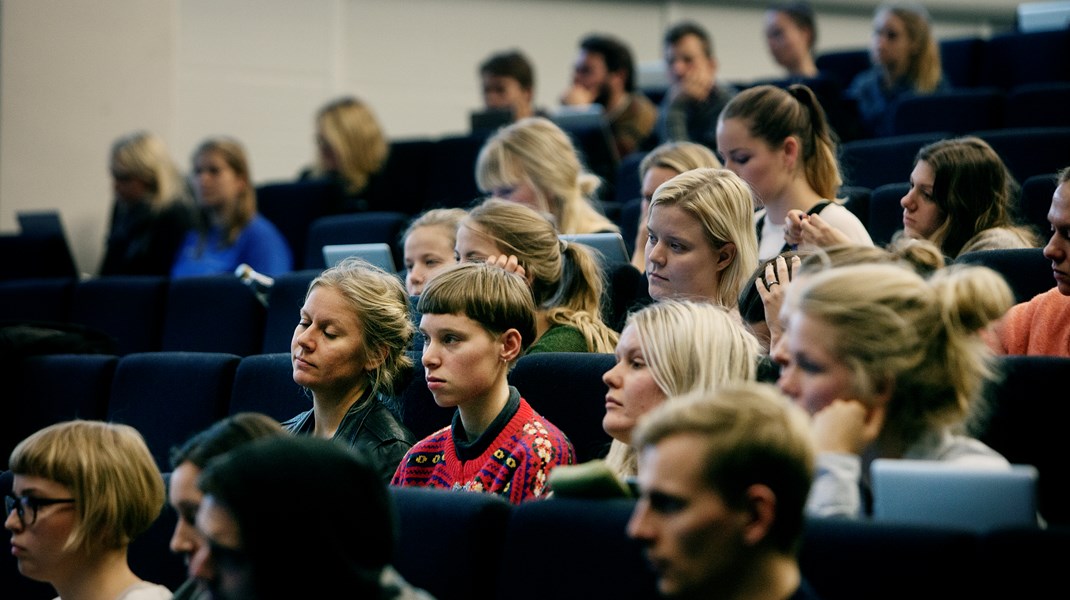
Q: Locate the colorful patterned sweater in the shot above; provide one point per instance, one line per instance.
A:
(513, 457)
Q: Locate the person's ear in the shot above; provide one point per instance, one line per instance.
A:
(512, 345)
(761, 513)
(375, 358)
(792, 149)
(883, 390)
(725, 255)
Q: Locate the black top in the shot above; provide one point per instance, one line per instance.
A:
(143, 242)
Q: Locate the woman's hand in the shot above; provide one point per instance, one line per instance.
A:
(510, 263)
(812, 229)
(847, 426)
(771, 290)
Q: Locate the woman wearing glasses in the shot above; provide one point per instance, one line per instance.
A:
(82, 491)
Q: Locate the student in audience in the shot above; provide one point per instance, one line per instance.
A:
(780, 143)
(565, 278)
(509, 84)
(429, 245)
(906, 61)
(476, 321)
(701, 243)
(187, 462)
(348, 351)
(668, 349)
(230, 231)
(1042, 325)
(350, 150)
(723, 480)
(533, 162)
(341, 548)
(660, 165)
(690, 108)
(604, 74)
(890, 365)
(83, 490)
(791, 33)
(152, 212)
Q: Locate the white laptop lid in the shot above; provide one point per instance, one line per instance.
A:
(610, 245)
(930, 492)
(379, 254)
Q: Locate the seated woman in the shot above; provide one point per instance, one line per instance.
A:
(348, 351)
(533, 162)
(428, 245)
(779, 142)
(152, 212)
(83, 490)
(791, 33)
(230, 232)
(668, 349)
(565, 279)
(906, 61)
(700, 242)
(351, 150)
(660, 165)
(890, 365)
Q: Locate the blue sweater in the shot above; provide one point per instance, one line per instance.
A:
(259, 245)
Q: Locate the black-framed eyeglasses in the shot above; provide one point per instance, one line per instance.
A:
(22, 504)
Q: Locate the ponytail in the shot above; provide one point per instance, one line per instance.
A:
(820, 164)
(577, 300)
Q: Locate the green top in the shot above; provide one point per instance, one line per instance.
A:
(560, 338)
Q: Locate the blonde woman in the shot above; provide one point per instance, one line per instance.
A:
(701, 243)
(83, 490)
(533, 162)
(351, 148)
(230, 231)
(151, 214)
(565, 278)
(668, 349)
(428, 246)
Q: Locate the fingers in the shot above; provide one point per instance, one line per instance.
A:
(509, 263)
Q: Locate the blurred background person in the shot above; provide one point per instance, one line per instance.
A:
(791, 34)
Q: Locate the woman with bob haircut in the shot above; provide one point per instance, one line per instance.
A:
(906, 61)
(151, 214)
(701, 243)
(83, 490)
(658, 166)
(348, 351)
(669, 349)
(565, 278)
(779, 141)
(533, 162)
(351, 149)
(890, 365)
(230, 232)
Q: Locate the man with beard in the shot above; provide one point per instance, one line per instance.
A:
(604, 74)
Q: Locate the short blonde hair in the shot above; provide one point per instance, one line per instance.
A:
(536, 151)
(679, 157)
(116, 485)
(446, 218)
(724, 205)
(382, 306)
(143, 156)
(350, 129)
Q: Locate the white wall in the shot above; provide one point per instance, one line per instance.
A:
(75, 75)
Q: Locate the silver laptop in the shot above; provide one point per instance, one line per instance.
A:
(610, 245)
(930, 492)
(379, 254)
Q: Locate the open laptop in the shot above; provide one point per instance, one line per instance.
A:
(379, 254)
(930, 492)
(610, 245)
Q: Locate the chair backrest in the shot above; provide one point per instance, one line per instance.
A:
(1026, 410)
(1029, 151)
(129, 308)
(169, 396)
(594, 559)
(1034, 201)
(885, 212)
(451, 172)
(856, 199)
(1013, 59)
(264, 383)
(958, 111)
(450, 543)
(629, 185)
(960, 59)
(293, 206)
(46, 299)
(876, 162)
(356, 228)
(395, 188)
(1025, 269)
(1038, 105)
(609, 246)
(843, 65)
(285, 299)
(214, 313)
(577, 409)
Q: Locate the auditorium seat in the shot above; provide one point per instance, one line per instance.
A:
(285, 300)
(1025, 269)
(959, 58)
(628, 221)
(450, 173)
(401, 185)
(843, 65)
(885, 212)
(264, 383)
(876, 162)
(128, 308)
(1012, 59)
(567, 389)
(356, 228)
(1034, 202)
(1038, 105)
(169, 396)
(45, 299)
(215, 313)
(958, 111)
(628, 183)
(1023, 563)
(293, 206)
(1029, 151)
(856, 199)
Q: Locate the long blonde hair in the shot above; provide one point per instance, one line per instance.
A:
(143, 156)
(349, 128)
(924, 70)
